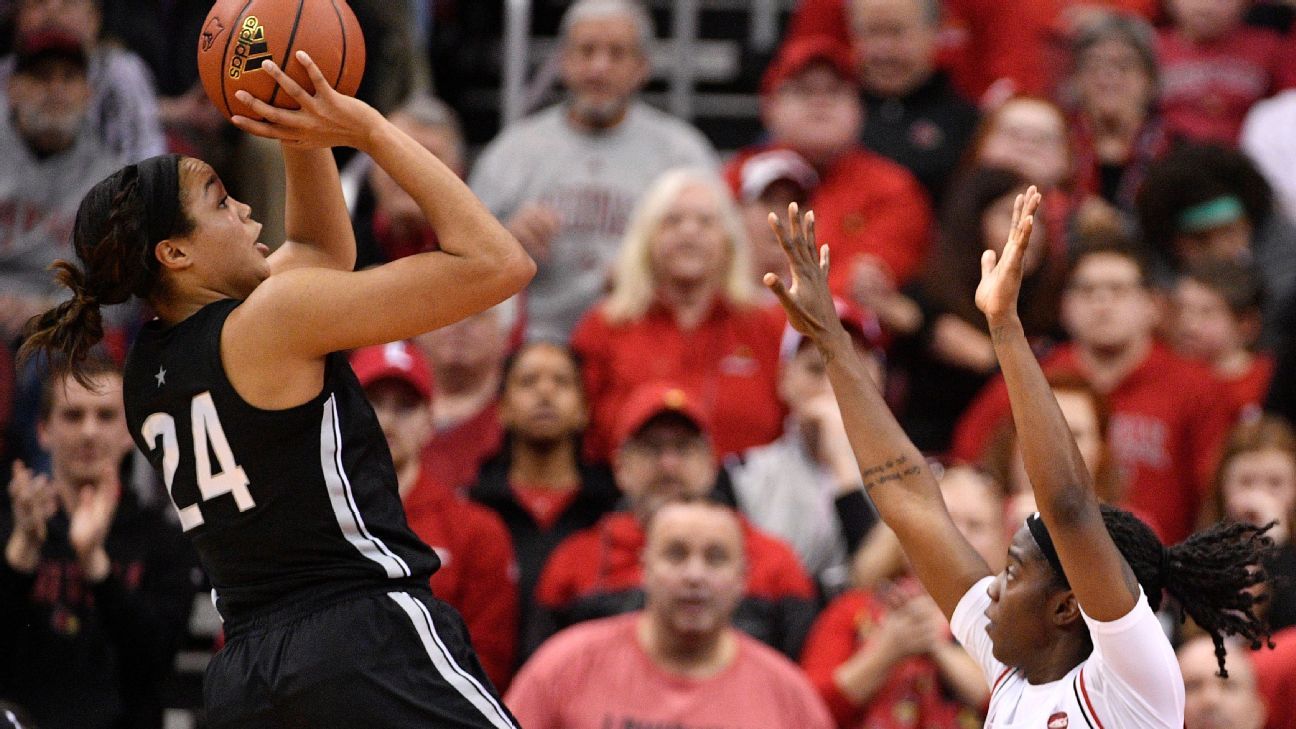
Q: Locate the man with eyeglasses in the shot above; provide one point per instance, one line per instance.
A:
(1169, 415)
(664, 455)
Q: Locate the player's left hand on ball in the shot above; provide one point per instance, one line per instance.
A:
(326, 118)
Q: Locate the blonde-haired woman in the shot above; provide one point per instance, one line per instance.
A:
(683, 310)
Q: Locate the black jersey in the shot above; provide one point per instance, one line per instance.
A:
(286, 505)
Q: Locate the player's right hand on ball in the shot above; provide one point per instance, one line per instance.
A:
(326, 118)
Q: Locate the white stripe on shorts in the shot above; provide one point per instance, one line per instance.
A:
(462, 681)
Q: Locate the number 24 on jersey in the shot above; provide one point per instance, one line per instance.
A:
(208, 439)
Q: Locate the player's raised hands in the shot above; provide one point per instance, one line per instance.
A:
(807, 300)
(996, 295)
(326, 118)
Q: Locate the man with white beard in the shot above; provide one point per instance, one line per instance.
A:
(565, 179)
(50, 160)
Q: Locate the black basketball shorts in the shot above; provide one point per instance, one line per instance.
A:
(381, 659)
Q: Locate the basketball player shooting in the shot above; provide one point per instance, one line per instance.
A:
(240, 396)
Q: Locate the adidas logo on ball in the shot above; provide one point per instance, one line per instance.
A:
(252, 49)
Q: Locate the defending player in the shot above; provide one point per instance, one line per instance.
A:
(271, 454)
(1067, 632)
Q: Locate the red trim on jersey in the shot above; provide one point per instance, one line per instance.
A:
(1089, 704)
(999, 680)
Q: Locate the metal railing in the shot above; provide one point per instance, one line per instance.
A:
(517, 94)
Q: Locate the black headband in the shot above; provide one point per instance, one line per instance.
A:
(1045, 542)
(159, 188)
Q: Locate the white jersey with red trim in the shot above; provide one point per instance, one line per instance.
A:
(1130, 680)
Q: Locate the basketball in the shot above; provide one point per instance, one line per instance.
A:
(239, 36)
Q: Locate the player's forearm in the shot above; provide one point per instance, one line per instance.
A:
(315, 213)
(891, 467)
(1061, 481)
(896, 477)
(464, 227)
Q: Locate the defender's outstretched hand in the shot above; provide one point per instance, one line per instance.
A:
(807, 301)
(996, 295)
(326, 118)
(888, 466)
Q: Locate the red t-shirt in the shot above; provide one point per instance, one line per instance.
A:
(607, 558)
(1169, 418)
(596, 676)
(477, 576)
(911, 698)
(729, 362)
(454, 455)
(1207, 88)
(864, 203)
(1276, 679)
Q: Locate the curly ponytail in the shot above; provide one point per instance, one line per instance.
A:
(68, 331)
(115, 247)
(1209, 574)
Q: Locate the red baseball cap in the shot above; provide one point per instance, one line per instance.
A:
(648, 401)
(799, 54)
(31, 48)
(399, 361)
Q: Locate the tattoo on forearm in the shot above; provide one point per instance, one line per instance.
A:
(893, 469)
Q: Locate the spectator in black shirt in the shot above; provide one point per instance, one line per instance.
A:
(95, 591)
(538, 484)
(915, 117)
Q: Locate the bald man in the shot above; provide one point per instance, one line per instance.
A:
(679, 659)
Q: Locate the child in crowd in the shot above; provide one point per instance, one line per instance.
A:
(1256, 482)
(1216, 319)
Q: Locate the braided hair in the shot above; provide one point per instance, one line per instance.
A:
(1209, 574)
(114, 243)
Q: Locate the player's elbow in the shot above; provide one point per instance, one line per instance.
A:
(516, 270)
(501, 277)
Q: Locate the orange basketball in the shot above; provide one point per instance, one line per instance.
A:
(240, 35)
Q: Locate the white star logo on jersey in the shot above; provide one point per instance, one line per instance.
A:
(160, 376)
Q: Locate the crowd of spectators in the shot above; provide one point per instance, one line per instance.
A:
(635, 473)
